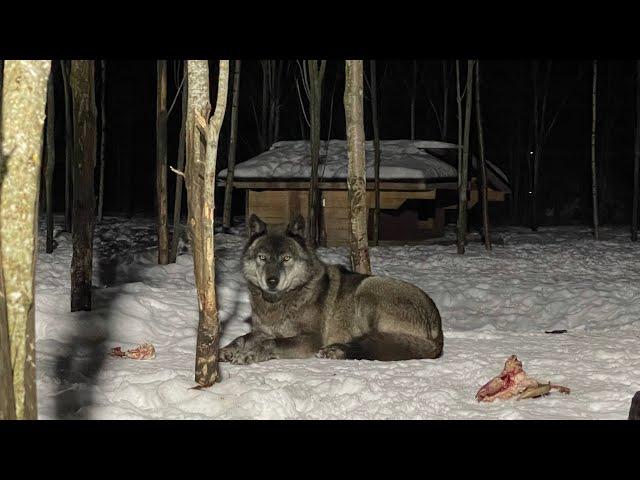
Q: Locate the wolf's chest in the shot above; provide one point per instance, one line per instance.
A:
(284, 319)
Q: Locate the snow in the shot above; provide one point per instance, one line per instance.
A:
(492, 304)
(400, 160)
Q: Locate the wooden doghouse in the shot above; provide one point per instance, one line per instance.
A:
(411, 208)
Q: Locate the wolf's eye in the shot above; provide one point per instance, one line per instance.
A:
(262, 257)
(286, 258)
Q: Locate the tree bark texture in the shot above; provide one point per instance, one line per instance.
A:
(82, 80)
(356, 173)
(161, 163)
(483, 165)
(233, 141)
(24, 97)
(464, 167)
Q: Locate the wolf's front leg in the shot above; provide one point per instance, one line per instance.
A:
(250, 348)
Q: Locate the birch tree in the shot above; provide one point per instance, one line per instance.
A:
(24, 97)
(82, 80)
(65, 66)
(50, 160)
(594, 179)
(376, 152)
(483, 166)
(312, 74)
(463, 166)
(103, 134)
(636, 162)
(177, 201)
(7, 402)
(202, 143)
(356, 172)
(161, 163)
(233, 140)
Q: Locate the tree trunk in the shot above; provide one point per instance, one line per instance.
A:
(177, 202)
(376, 151)
(68, 136)
(445, 101)
(316, 77)
(483, 165)
(84, 162)
(594, 178)
(356, 174)
(200, 182)
(161, 163)
(7, 400)
(265, 105)
(413, 100)
(233, 140)
(464, 167)
(24, 99)
(103, 130)
(50, 160)
(636, 162)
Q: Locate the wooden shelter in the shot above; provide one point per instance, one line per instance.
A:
(418, 185)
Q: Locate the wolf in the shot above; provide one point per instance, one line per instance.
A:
(303, 307)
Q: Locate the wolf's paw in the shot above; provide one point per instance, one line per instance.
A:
(260, 352)
(336, 351)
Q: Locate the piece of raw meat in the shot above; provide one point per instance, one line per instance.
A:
(146, 351)
(513, 381)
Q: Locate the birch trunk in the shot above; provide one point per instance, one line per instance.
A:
(233, 140)
(636, 162)
(50, 160)
(464, 167)
(7, 401)
(103, 131)
(200, 183)
(316, 77)
(85, 131)
(177, 202)
(24, 98)
(594, 178)
(483, 165)
(68, 136)
(161, 163)
(376, 151)
(356, 174)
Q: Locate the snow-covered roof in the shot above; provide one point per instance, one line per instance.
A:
(400, 160)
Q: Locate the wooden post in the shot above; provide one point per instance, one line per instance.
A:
(161, 163)
(233, 140)
(200, 182)
(84, 162)
(24, 97)
(356, 179)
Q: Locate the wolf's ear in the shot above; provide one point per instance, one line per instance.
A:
(256, 226)
(296, 227)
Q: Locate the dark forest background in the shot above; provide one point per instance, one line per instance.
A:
(507, 105)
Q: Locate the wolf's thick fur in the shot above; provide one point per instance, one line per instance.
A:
(303, 307)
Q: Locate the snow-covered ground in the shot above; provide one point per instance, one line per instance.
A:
(492, 304)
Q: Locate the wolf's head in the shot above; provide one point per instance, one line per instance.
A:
(277, 261)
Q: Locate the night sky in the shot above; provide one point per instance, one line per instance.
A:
(507, 105)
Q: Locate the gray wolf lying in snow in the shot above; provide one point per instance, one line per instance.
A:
(303, 307)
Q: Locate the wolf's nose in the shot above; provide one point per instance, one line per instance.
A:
(272, 282)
